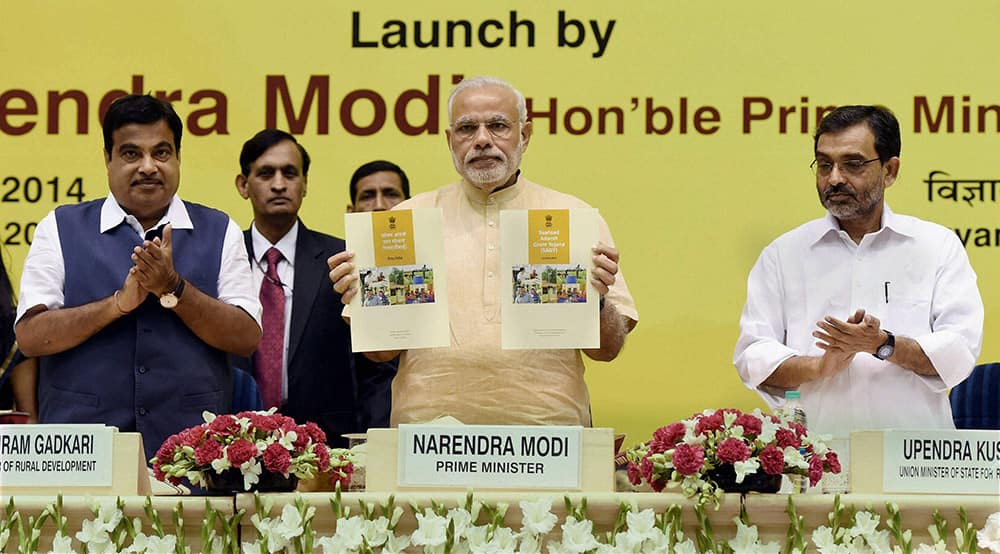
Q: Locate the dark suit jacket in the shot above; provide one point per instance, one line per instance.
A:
(323, 379)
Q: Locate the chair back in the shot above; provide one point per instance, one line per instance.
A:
(246, 396)
(975, 402)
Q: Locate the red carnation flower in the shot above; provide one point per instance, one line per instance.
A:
(646, 469)
(277, 458)
(658, 485)
(833, 462)
(732, 450)
(265, 423)
(225, 425)
(158, 473)
(315, 433)
(240, 451)
(302, 438)
(815, 470)
(322, 457)
(191, 437)
(713, 422)
(787, 437)
(669, 435)
(634, 476)
(344, 480)
(165, 454)
(207, 452)
(688, 459)
(751, 425)
(772, 459)
(799, 429)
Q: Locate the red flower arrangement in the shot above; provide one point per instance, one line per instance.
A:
(252, 442)
(687, 452)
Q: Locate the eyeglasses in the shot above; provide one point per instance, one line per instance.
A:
(466, 129)
(849, 167)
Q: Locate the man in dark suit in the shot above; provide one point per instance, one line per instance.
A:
(304, 364)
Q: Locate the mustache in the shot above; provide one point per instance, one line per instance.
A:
(838, 189)
(491, 153)
(147, 181)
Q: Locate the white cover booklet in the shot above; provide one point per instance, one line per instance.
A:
(402, 286)
(546, 299)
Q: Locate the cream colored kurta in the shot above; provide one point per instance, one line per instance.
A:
(474, 380)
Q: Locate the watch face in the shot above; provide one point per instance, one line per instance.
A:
(885, 351)
(168, 300)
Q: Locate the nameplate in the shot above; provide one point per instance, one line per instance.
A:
(56, 455)
(947, 462)
(490, 456)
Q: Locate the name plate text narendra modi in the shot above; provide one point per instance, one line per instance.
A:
(56, 455)
(490, 456)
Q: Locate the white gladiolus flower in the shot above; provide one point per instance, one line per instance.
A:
(865, 524)
(251, 470)
(376, 532)
(431, 530)
(745, 468)
(537, 517)
(747, 541)
(686, 547)
(350, 532)
(989, 536)
(250, 548)
(165, 545)
(460, 518)
(530, 544)
(578, 536)
(938, 548)
(642, 524)
(396, 544)
(92, 533)
(768, 429)
(289, 525)
(60, 544)
(219, 465)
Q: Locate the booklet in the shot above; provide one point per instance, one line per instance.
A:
(547, 300)
(402, 301)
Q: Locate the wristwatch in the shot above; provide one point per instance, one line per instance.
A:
(884, 352)
(170, 299)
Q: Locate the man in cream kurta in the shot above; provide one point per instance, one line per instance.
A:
(473, 379)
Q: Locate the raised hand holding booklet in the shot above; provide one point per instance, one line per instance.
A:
(403, 290)
(547, 300)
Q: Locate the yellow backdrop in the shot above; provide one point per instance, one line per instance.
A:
(687, 123)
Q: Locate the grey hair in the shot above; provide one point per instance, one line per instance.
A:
(487, 81)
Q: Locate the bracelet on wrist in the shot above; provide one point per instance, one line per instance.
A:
(119, 306)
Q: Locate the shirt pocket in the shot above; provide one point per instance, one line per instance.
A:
(907, 316)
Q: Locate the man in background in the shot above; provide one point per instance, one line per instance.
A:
(377, 186)
(872, 315)
(131, 302)
(473, 379)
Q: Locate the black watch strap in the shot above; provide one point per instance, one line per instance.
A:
(887, 348)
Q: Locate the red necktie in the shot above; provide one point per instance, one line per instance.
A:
(270, 353)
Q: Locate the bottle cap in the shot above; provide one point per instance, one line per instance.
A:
(792, 395)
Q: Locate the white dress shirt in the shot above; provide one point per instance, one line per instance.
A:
(913, 275)
(44, 272)
(286, 274)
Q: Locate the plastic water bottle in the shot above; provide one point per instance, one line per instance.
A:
(793, 411)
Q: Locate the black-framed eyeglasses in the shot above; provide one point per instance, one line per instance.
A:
(848, 167)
